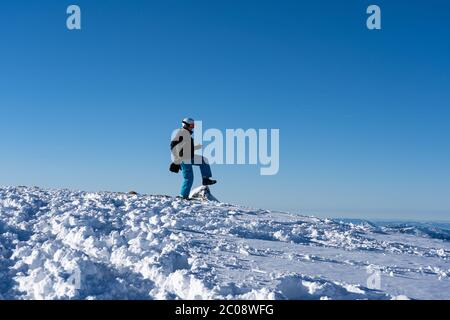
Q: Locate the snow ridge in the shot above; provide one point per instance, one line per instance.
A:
(62, 244)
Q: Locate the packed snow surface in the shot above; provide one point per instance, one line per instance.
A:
(61, 244)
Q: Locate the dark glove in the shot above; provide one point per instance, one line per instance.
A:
(175, 168)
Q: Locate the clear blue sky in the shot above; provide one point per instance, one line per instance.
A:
(363, 115)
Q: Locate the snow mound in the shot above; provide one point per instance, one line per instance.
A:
(202, 193)
(61, 244)
(420, 230)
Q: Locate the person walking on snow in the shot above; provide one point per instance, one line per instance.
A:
(183, 151)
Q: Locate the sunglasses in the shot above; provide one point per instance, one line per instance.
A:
(191, 126)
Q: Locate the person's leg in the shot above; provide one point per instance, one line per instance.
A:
(205, 168)
(188, 176)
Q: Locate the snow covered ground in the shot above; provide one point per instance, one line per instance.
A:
(61, 244)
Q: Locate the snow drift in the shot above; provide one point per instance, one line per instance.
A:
(61, 244)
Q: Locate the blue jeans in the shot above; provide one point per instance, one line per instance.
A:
(188, 173)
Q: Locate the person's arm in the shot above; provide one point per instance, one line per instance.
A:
(181, 146)
(176, 147)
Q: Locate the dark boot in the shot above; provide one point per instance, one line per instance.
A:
(208, 181)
